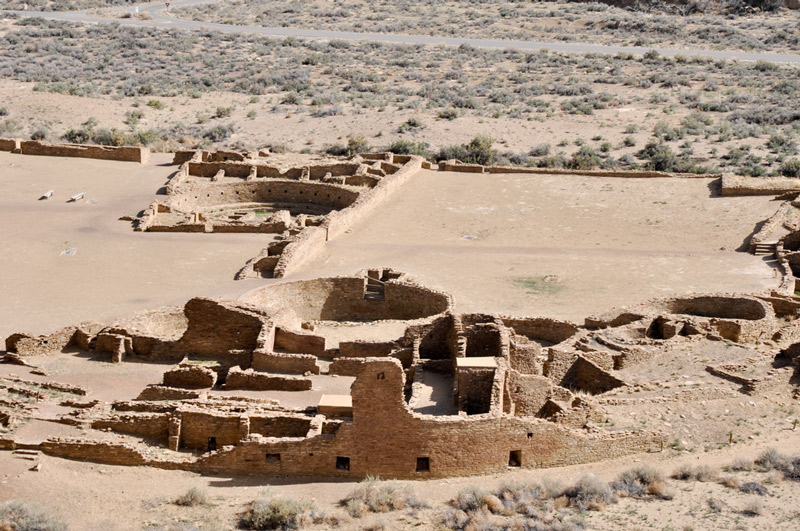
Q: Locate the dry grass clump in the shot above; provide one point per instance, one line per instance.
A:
(753, 508)
(19, 515)
(192, 497)
(642, 481)
(528, 506)
(753, 487)
(375, 496)
(699, 473)
(278, 513)
(590, 493)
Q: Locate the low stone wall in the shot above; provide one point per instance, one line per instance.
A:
(190, 377)
(27, 345)
(94, 451)
(772, 223)
(342, 299)
(152, 425)
(738, 185)
(122, 153)
(285, 363)
(366, 349)
(160, 392)
(10, 144)
(299, 342)
(260, 381)
(541, 328)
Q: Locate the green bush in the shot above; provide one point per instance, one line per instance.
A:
(408, 147)
(478, 151)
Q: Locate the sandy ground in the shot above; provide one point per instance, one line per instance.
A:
(561, 246)
(114, 271)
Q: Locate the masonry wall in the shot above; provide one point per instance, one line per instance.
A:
(152, 425)
(385, 439)
(9, 144)
(124, 153)
(259, 381)
(217, 327)
(342, 299)
(191, 196)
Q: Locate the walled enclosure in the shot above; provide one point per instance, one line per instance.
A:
(524, 391)
(304, 206)
(511, 391)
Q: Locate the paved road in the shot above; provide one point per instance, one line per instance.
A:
(161, 19)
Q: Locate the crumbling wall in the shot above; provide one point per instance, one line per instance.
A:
(198, 426)
(280, 425)
(217, 327)
(190, 376)
(285, 363)
(10, 144)
(27, 345)
(160, 392)
(122, 153)
(386, 439)
(528, 393)
(152, 425)
(299, 342)
(585, 375)
(343, 299)
(366, 349)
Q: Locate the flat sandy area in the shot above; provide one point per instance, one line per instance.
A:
(557, 245)
(113, 271)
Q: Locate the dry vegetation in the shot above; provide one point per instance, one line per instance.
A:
(509, 19)
(702, 115)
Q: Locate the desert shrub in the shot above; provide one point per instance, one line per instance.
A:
(331, 110)
(660, 156)
(410, 124)
(9, 127)
(192, 497)
(478, 151)
(590, 493)
(540, 150)
(408, 147)
(741, 464)
(18, 515)
(470, 499)
(586, 158)
(3, 111)
(40, 133)
(223, 112)
(752, 487)
(771, 459)
(641, 481)
(156, 104)
(699, 473)
(218, 133)
(715, 505)
(278, 513)
(373, 495)
(791, 168)
(778, 143)
(448, 114)
(753, 508)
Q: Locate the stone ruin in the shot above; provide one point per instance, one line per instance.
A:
(452, 394)
(298, 208)
(255, 384)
